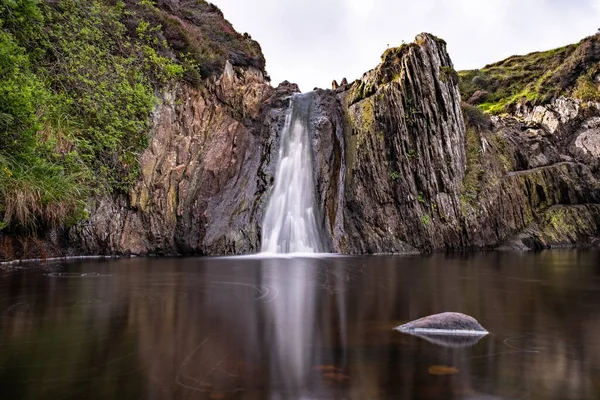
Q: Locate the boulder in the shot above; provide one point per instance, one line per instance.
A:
(448, 323)
(478, 97)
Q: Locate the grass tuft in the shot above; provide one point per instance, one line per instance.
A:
(32, 191)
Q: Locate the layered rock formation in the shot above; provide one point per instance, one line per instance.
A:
(404, 153)
(204, 174)
(397, 169)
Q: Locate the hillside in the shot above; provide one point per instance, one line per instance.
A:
(78, 83)
(535, 78)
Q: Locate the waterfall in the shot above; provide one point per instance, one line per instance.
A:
(291, 223)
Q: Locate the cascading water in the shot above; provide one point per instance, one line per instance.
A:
(290, 224)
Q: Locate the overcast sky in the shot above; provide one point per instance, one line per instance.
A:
(312, 42)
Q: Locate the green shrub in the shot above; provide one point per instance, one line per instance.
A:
(76, 95)
(586, 89)
(475, 117)
(21, 93)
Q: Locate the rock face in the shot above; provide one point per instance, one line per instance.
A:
(204, 178)
(538, 182)
(396, 169)
(404, 153)
(204, 175)
(400, 179)
(445, 323)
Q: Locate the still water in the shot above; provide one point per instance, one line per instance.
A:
(319, 328)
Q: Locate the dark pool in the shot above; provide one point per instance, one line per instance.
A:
(301, 328)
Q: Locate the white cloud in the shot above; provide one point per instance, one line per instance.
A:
(312, 42)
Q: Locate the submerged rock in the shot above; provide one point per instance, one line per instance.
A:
(448, 323)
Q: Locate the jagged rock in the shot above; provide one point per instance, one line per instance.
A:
(554, 115)
(404, 154)
(334, 85)
(588, 140)
(448, 323)
(344, 82)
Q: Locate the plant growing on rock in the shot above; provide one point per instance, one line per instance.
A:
(426, 219)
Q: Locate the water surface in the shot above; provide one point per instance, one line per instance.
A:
(319, 328)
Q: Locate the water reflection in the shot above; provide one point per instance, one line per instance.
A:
(301, 329)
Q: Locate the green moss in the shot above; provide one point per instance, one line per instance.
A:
(364, 119)
(503, 152)
(395, 53)
(564, 224)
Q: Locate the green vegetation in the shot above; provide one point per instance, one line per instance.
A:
(426, 219)
(476, 122)
(472, 181)
(587, 88)
(77, 88)
(535, 78)
(395, 175)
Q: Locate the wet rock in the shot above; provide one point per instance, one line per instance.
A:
(448, 323)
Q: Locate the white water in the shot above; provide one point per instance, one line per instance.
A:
(290, 224)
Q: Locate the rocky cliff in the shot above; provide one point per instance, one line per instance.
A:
(417, 178)
(400, 166)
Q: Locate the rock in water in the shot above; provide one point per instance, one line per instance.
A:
(448, 323)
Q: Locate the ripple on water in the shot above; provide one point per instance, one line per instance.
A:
(75, 275)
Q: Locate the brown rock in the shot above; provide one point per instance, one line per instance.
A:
(478, 97)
